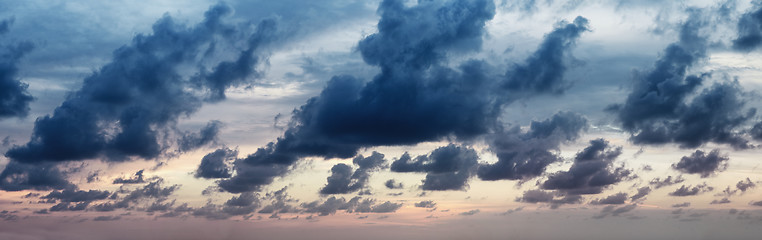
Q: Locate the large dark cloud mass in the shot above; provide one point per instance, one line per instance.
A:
(14, 97)
(446, 168)
(666, 105)
(130, 106)
(417, 96)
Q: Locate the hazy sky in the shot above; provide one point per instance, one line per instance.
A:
(336, 119)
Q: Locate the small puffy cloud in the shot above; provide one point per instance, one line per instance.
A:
(642, 192)
(217, 164)
(446, 168)
(393, 184)
(703, 164)
(426, 204)
(615, 199)
(591, 172)
(691, 190)
(668, 181)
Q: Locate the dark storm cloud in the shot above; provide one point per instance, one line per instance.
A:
(617, 199)
(701, 163)
(446, 168)
(20, 176)
(343, 180)
(137, 178)
(522, 156)
(216, 164)
(749, 30)
(691, 190)
(129, 107)
(14, 97)
(681, 205)
(393, 184)
(591, 172)
(660, 110)
(207, 135)
(417, 96)
(642, 192)
(74, 195)
(668, 181)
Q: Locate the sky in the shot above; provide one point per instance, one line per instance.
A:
(428, 119)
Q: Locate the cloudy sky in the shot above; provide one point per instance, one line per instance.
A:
(458, 119)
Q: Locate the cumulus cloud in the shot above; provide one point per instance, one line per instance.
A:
(701, 163)
(721, 201)
(14, 97)
(591, 172)
(612, 210)
(393, 184)
(554, 198)
(125, 198)
(411, 48)
(749, 30)
(44, 176)
(470, 212)
(130, 106)
(668, 181)
(543, 71)
(642, 192)
(280, 202)
(74, 195)
(216, 164)
(241, 205)
(137, 178)
(523, 156)
(357, 204)
(207, 135)
(447, 168)
(426, 204)
(660, 110)
(615, 199)
(343, 180)
(691, 190)
(744, 185)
